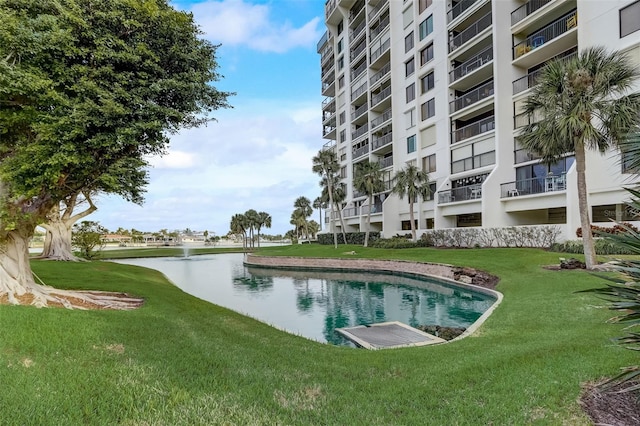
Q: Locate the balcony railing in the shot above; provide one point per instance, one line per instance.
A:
(526, 9)
(329, 145)
(471, 64)
(375, 208)
(383, 140)
(359, 152)
(380, 50)
(523, 155)
(458, 9)
(473, 129)
(524, 119)
(359, 131)
(357, 50)
(546, 34)
(357, 30)
(323, 40)
(359, 91)
(537, 185)
(359, 111)
(355, 73)
(382, 24)
(356, 9)
(385, 116)
(472, 97)
(328, 129)
(374, 12)
(350, 212)
(461, 193)
(386, 162)
(329, 104)
(470, 163)
(379, 97)
(470, 32)
(327, 53)
(329, 7)
(381, 73)
(530, 80)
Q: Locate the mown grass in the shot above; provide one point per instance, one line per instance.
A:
(180, 360)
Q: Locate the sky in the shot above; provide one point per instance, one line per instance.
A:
(256, 155)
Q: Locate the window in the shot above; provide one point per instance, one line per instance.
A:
(427, 83)
(340, 45)
(469, 157)
(410, 118)
(428, 109)
(428, 136)
(630, 19)
(426, 54)
(411, 144)
(343, 117)
(340, 63)
(407, 16)
(343, 172)
(431, 196)
(341, 82)
(408, 42)
(343, 136)
(409, 67)
(411, 92)
(617, 212)
(429, 163)
(423, 4)
(340, 27)
(426, 27)
(406, 224)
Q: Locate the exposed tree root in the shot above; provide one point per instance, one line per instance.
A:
(42, 296)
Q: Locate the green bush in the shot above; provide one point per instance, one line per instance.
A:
(352, 238)
(394, 243)
(602, 246)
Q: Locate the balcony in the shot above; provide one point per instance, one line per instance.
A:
(362, 130)
(471, 64)
(329, 104)
(527, 9)
(326, 55)
(458, 9)
(382, 24)
(523, 155)
(356, 72)
(383, 140)
(362, 109)
(355, 52)
(472, 97)
(353, 35)
(379, 97)
(473, 129)
(386, 162)
(329, 145)
(356, 9)
(461, 193)
(350, 212)
(546, 34)
(524, 119)
(359, 152)
(384, 71)
(362, 89)
(530, 80)
(470, 32)
(536, 185)
(327, 116)
(383, 118)
(375, 208)
(380, 51)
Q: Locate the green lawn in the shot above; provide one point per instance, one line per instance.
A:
(179, 360)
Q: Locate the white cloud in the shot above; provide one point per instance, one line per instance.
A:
(234, 23)
(174, 160)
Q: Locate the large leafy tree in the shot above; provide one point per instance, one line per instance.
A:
(414, 184)
(582, 104)
(85, 89)
(368, 180)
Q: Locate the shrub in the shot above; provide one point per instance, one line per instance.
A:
(602, 246)
(352, 238)
(397, 242)
(615, 229)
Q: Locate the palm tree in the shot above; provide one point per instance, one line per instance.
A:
(304, 205)
(581, 104)
(251, 217)
(314, 227)
(299, 221)
(414, 183)
(325, 164)
(319, 204)
(368, 180)
(339, 195)
(263, 219)
(239, 227)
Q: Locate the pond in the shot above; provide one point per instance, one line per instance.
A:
(314, 303)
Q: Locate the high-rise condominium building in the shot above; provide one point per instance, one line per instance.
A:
(441, 84)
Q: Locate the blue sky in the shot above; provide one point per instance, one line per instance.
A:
(256, 155)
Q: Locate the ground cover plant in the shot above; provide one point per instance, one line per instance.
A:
(180, 360)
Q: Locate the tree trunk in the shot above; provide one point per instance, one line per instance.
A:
(331, 219)
(587, 236)
(413, 224)
(344, 235)
(366, 235)
(57, 243)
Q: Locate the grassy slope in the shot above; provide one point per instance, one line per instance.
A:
(179, 360)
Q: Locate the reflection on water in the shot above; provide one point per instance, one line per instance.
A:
(313, 304)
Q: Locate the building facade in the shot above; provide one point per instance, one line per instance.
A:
(441, 84)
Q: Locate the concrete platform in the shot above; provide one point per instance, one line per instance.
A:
(386, 335)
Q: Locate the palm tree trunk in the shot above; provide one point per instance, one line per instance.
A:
(587, 236)
(331, 220)
(413, 224)
(366, 236)
(344, 235)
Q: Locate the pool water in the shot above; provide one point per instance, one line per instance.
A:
(314, 303)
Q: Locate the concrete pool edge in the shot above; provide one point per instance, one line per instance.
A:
(440, 271)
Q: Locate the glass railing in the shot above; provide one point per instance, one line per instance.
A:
(381, 73)
(359, 111)
(329, 104)
(473, 129)
(358, 50)
(527, 9)
(359, 152)
(376, 10)
(356, 72)
(536, 185)
(385, 116)
(357, 30)
(356, 9)
(523, 155)
(461, 193)
(350, 212)
(470, 32)
(546, 34)
(458, 9)
(329, 7)
(386, 162)
(470, 163)
(379, 51)
(375, 208)
(359, 91)
(472, 97)
(377, 98)
(382, 24)
(471, 64)
(531, 79)
(381, 141)
(323, 40)
(359, 131)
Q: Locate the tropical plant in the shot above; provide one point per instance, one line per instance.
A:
(303, 204)
(339, 195)
(299, 221)
(579, 104)
(314, 228)
(88, 237)
(325, 164)
(414, 183)
(238, 227)
(251, 220)
(368, 180)
(319, 204)
(263, 219)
